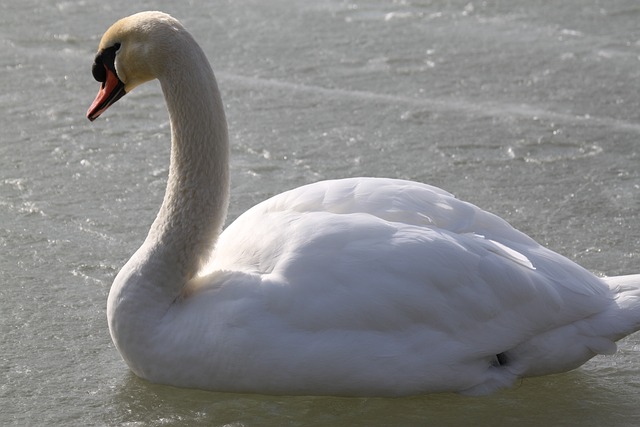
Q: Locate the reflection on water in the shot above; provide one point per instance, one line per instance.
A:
(567, 399)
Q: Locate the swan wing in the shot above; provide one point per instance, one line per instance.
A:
(398, 270)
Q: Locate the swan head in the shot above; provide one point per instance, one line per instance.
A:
(132, 51)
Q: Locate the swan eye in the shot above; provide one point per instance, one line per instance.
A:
(104, 58)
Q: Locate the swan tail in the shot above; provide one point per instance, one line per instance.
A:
(626, 291)
(569, 346)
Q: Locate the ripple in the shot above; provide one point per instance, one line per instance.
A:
(470, 107)
(552, 151)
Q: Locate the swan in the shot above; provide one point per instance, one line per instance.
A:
(353, 287)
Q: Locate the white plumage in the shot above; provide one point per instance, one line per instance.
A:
(361, 286)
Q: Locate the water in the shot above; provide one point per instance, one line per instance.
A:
(528, 109)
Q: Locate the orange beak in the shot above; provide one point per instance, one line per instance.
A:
(110, 91)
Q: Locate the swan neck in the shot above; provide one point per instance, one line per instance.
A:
(196, 199)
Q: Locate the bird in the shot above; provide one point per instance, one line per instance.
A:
(349, 287)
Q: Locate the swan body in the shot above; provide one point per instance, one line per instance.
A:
(361, 286)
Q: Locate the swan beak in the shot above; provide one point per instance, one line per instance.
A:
(111, 90)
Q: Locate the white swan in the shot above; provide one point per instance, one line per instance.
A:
(361, 286)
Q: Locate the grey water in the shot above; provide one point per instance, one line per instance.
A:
(529, 109)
